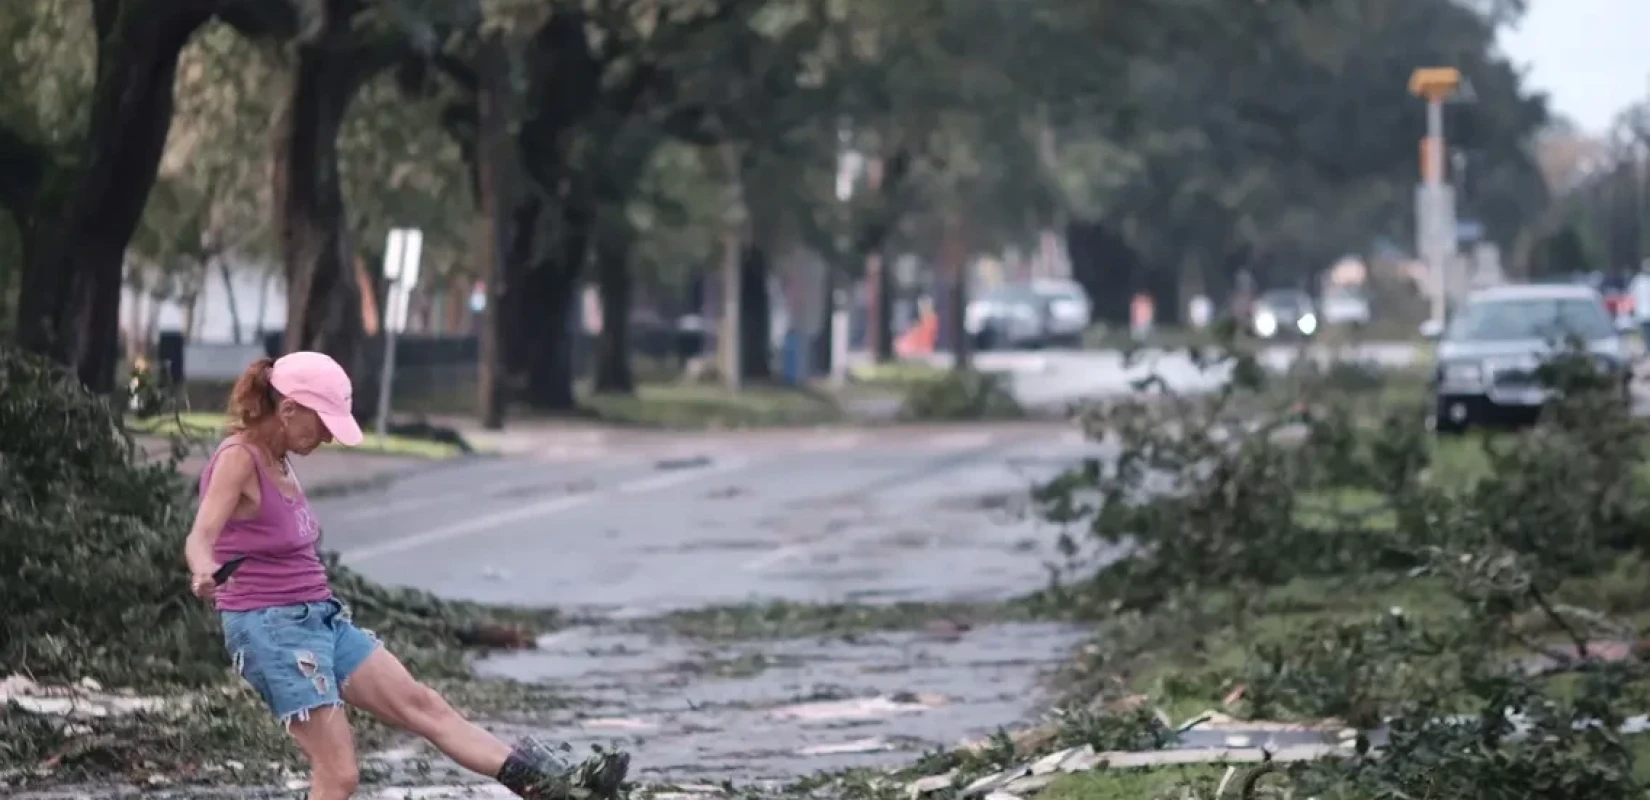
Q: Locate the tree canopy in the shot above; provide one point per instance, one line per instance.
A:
(643, 145)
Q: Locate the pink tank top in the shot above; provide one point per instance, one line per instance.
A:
(283, 566)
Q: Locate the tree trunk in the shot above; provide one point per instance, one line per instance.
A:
(516, 309)
(263, 303)
(954, 261)
(1104, 263)
(69, 298)
(544, 315)
(190, 301)
(151, 324)
(491, 175)
(229, 297)
(823, 349)
(550, 291)
(755, 315)
(323, 299)
(374, 289)
(613, 374)
(880, 281)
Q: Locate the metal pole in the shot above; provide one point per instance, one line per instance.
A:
(839, 340)
(1434, 189)
(387, 374)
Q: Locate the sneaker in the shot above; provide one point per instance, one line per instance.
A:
(602, 775)
(537, 771)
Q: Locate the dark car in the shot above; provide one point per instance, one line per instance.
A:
(1282, 314)
(1489, 354)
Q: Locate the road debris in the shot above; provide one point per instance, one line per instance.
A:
(83, 700)
(859, 708)
(874, 744)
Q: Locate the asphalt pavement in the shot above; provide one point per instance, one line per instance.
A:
(670, 522)
(692, 520)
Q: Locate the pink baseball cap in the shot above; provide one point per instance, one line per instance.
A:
(316, 382)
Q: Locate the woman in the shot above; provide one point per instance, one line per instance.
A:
(286, 633)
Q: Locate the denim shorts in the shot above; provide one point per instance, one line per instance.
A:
(299, 656)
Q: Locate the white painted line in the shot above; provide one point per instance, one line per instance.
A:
(769, 559)
(555, 505)
(467, 527)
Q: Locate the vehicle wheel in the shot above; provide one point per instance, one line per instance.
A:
(1444, 424)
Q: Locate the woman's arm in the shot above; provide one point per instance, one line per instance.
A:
(230, 472)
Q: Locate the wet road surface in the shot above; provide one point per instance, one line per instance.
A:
(886, 514)
(685, 522)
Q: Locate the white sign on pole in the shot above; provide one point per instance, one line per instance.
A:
(402, 252)
(402, 261)
(393, 248)
(411, 258)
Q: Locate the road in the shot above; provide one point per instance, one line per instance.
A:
(688, 521)
(635, 532)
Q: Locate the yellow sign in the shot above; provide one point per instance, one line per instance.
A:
(1434, 83)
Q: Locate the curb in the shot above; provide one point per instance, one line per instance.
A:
(329, 490)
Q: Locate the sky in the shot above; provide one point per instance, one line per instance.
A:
(1591, 57)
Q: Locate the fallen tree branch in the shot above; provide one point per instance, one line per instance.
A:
(1558, 619)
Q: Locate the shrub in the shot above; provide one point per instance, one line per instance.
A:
(1206, 497)
(961, 395)
(91, 554)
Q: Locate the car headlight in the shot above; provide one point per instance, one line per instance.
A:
(1308, 324)
(1266, 324)
(1462, 374)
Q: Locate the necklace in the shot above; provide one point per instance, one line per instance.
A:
(281, 465)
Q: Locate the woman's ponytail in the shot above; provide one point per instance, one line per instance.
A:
(253, 398)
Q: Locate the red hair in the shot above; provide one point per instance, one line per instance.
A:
(253, 402)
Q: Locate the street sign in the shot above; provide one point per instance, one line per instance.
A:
(402, 252)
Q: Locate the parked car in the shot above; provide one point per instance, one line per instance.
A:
(1343, 305)
(1009, 316)
(1284, 313)
(1489, 353)
(1070, 311)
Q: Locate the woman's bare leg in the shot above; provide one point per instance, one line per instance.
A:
(325, 739)
(382, 687)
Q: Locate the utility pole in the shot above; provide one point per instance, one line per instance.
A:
(1434, 200)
